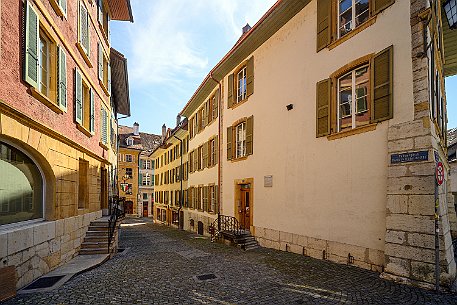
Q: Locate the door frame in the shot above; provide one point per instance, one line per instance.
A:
(237, 197)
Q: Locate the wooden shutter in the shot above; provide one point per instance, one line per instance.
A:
(382, 85)
(216, 147)
(31, 46)
(109, 79)
(92, 111)
(250, 76)
(230, 93)
(62, 78)
(100, 11)
(249, 135)
(78, 97)
(140, 179)
(229, 142)
(216, 195)
(209, 112)
(63, 6)
(84, 27)
(324, 19)
(216, 104)
(379, 5)
(323, 98)
(100, 61)
(205, 198)
(205, 155)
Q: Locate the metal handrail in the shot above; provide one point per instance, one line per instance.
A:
(115, 213)
(225, 223)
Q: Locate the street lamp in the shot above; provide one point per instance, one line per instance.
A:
(450, 8)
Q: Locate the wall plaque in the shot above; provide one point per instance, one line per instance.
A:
(268, 181)
(415, 156)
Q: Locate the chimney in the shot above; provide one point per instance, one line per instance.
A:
(246, 28)
(164, 132)
(178, 120)
(136, 129)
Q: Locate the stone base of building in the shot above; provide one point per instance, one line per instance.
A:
(40, 247)
(192, 219)
(371, 259)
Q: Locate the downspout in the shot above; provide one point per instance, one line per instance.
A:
(181, 197)
(219, 164)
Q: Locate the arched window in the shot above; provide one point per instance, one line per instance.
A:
(21, 186)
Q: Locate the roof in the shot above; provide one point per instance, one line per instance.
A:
(178, 131)
(277, 16)
(451, 137)
(120, 82)
(450, 47)
(120, 10)
(145, 141)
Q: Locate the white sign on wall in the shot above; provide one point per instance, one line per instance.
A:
(268, 181)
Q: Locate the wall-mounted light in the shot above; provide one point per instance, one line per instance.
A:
(290, 107)
(450, 8)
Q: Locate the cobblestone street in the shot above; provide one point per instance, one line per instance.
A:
(161, 266)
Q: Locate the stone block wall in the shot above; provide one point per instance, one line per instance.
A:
(206, 219)
(40, 247)
(371, 259)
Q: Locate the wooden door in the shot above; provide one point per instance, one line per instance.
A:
(145, 209)
(104, 189)
(245, 209)
(128, 207)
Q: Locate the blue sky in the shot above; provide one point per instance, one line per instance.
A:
(173, 44)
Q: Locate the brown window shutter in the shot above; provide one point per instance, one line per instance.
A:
(200, 117)
(216, 105)
(189, 193)
(323, 98)
(205, 155)
(250, 76)
(229, 143)
(216, 194)
(324, 19)
(382, 85)
(205, 198)
(216, 145)
(230, 93)
(380, 5)
(249, 135)
(209, 113)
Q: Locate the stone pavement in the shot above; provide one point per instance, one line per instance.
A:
(162, 264)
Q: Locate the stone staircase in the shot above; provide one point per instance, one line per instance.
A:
(246, 241)
(96, 239)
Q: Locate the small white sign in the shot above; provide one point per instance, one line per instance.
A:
(268, 181)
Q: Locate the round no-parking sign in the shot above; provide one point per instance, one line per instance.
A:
(439, 173)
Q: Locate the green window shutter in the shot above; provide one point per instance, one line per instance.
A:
(323, 98)
(100, 11)
(101, 124)
(62, 78)
(31, 46)
(84, 28)
(229, 143)
(250, 76)
(141, 163)
(109, 78)
(382, 85)
(92, 112)
(379, 5)
(100, 61)
(78, 97)
(250, 135)
(324, 20)
(230, 93)
(63, 6)
(216, 104)
(140, 179)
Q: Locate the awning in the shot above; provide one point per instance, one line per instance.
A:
(450, 48)
(120, 10)
(119, 82)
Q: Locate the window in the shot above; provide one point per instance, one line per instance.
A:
(147, 164)
(84, 97)
(44, 63)
(240, 139)
(22, 194)
(351, 14)
(353, 96)
(212, 197)
(146, 179)
(354, 106)
(348, 17)
(212, 153)
(129, 141)
(128, 158)
(104, 70)
(83, 186)
(84, 32)
(129, 172)
(60, 7)
(103, 18)
(241, 83)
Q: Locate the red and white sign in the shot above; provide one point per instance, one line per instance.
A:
(439, 173)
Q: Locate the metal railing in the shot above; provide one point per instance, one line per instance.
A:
(116, 211)
(227, 224)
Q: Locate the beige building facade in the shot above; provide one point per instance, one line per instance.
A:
(329, 138)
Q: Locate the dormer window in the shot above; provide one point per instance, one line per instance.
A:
(129, 141)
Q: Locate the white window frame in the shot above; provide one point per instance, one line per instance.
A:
(353, 18)
(43, 37)
(240, 140)
(241, 77)
(128, 158)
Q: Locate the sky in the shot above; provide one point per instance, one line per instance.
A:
(173, 44)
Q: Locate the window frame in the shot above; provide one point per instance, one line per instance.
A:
(353, 17)
(240, 98)
(240, 141)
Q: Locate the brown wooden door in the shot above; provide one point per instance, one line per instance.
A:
(245, 209)
(145, 209)
(104, 189)
(128, 207)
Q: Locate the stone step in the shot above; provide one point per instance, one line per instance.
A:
(96, 244)
(94, 239)
(247, 248)
(98, 228)
(90, 251)
(251, 242)
(245, 239)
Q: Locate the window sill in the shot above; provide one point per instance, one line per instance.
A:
(104, 146)
(45, 100)
(352, 33)
(104, 88)
(238, 159)
(351, 132)
(59, 11)
(84, 55)
(236, 105)
(84, 130)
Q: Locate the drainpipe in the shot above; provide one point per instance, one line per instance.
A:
(219, 165)
(181, 197)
